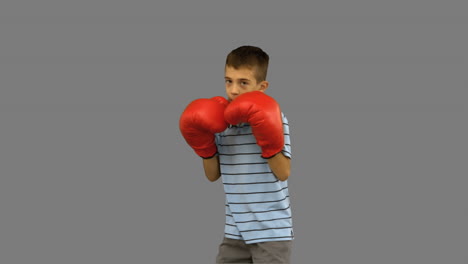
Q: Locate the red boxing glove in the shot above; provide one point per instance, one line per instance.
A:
(201, 119)
(263, 114)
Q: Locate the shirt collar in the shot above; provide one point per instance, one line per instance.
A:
(238, 125)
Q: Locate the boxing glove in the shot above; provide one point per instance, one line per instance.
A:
(200, 120)
(263, 114)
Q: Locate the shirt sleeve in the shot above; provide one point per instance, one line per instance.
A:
(216, 135)
(287, 140)
(217, 142)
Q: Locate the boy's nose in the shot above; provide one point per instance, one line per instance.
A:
(234, 89)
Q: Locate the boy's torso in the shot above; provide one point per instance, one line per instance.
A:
(257, 203)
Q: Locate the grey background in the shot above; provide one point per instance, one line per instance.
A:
(93, 168)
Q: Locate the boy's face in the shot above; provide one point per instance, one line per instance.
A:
(242, 80)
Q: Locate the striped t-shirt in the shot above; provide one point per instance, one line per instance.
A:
(258, 208)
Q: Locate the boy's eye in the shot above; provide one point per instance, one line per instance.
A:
(244, 83)
(227, 81)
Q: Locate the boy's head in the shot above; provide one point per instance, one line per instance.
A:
(245, 71)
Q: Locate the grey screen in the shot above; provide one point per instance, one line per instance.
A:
(93, 168)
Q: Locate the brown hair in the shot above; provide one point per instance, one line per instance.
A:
(250, 57)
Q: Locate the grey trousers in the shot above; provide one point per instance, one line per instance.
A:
(236, 251)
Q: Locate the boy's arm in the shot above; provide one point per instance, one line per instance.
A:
(280, 165)
(264, 115)
(211, 167)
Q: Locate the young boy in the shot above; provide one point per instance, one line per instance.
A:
(245, 140)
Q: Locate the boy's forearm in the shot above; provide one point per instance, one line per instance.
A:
(211, 167)
(280, 165)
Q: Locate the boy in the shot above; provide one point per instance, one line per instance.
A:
(245, 140)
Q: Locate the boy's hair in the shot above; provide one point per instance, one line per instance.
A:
(250, 57)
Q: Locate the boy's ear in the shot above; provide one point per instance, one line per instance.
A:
(263, 86)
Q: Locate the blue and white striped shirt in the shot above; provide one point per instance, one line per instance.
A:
(258, 207)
